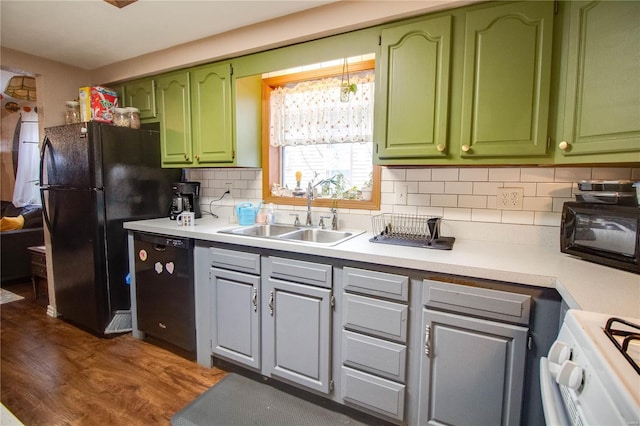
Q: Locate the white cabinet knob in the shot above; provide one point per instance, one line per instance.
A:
(563, 145)
(570, 375)
(440, 147)
(465, 148)
(559, 352)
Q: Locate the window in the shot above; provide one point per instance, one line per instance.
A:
(311, 135)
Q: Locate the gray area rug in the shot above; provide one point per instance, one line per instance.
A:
(6, 296)
(238, 400)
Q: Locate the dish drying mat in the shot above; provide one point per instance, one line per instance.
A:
(410, 230)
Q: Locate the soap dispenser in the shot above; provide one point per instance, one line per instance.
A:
(271, 216)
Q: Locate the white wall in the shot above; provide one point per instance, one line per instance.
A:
(464, 197)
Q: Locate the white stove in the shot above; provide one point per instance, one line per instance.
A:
(587, 379)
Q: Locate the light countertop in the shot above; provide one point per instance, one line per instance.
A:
(583, 285)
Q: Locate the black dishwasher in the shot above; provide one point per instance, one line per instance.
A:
(164, 291)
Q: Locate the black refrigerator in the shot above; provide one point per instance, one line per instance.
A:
(93, 178)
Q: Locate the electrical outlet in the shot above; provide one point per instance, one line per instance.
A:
(229, 186)
(401, 194)
(509, 198)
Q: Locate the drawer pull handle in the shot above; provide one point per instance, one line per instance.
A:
(271, 302)
(254, 300)
(427, 335)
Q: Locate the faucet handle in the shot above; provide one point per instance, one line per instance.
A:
(296, 222)
(321, 223)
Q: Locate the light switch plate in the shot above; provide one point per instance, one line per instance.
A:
(401, 194)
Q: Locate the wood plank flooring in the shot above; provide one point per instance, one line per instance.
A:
(52, 373)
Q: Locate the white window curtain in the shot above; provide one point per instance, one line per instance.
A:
(26, 190)
(311, 112)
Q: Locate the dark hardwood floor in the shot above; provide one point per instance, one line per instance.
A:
(52, 373)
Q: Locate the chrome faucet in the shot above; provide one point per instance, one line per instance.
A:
(309, 198)
(334, 219)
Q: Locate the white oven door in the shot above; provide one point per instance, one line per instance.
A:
(552, 402)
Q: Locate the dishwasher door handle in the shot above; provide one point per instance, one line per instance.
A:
(159, 247)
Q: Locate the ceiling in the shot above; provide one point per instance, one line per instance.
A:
(91, 34)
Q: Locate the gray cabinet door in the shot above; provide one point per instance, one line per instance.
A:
(235, 316)
(296, 322)
(472, 371)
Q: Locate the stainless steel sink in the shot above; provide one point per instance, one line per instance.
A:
(261, 230)
(290, 233)
(316, 235)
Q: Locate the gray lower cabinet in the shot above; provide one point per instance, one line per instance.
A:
(234, 288)
(296, 322)
(235, 328)
(374, 337)
(472, 369)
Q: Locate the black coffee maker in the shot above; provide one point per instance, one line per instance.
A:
(186, 198)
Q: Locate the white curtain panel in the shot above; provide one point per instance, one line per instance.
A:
(311, 112)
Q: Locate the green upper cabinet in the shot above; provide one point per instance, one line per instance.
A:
(412, 90)
(211, 116)
(174, 114)
(506, 80)
(141, 94)
(601, 103)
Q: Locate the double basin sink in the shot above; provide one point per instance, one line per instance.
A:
(294, 234)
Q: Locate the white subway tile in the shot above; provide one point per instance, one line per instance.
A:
(444, 174)
(486, 188)
(386, 186)
(418, 199)
(419, 174)
(492, 202)
(431, 187)
(248, 174)
(440, 200)
(431, 211)
(457, 214)
(507, 174)
(486, 215)
(387, 198)
(474, 174)
(611, 173)
(537, 174)
(394, 174)
(572, 174)
(234, 174)
(412, 187)
(517, 216)
(562, 189)
(405, 209)
(472, 201)
(547, 219)
(542, 204)
(458, 188)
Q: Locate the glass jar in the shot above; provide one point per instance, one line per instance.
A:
(134, 117)
(72, 112)
(121, 117)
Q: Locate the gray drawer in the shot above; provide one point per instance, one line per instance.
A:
(376, 317)
(376, 356)
(235, 260)
(373, 393)
(317, 274)
(375, 283)
(482, 302)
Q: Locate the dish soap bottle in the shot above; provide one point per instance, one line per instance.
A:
(271, 217)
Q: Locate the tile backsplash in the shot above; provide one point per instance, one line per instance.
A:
(465, 197)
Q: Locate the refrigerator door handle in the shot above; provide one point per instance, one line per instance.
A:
(45, 212)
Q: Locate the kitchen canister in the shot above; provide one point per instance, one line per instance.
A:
(72, 112)
(134, 117)
(121, 117)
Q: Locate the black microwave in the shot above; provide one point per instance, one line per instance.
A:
(608, 234)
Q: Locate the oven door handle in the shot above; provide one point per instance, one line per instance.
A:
(552, 402)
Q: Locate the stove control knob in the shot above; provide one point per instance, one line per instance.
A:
(570, 375)
(559, 352)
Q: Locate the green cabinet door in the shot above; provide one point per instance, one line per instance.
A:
(412, 90)
(141, 94)
(602, 93)
(174, 113)
(506, 80)
(211, 117)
